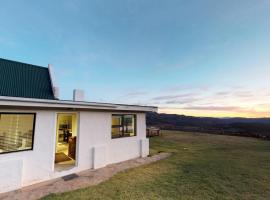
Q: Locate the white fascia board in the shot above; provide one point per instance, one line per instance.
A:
(43, 103)
(52, 79)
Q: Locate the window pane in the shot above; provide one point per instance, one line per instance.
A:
(129, 125)
(123, 126)
(116, 126)
(16, 132)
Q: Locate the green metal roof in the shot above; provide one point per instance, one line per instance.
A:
(24, 80)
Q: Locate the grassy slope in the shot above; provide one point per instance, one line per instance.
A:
(202, 167)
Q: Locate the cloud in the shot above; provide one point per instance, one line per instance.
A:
(213, 108)
(185, 87)
(183, 101)
(168, 97)
(222, 93)
(216, 111)
(138, 93)
(243, 94)
(234, 93)
(225, 101)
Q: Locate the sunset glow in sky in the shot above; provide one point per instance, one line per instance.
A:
(201, 58)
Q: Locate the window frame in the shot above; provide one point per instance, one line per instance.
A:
(34, 129)
(123, 134)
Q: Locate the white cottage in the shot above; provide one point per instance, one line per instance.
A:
(42, 137)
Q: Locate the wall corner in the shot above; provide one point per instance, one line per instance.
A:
(144, 147)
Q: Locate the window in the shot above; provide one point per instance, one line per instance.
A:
(123, 126)
(16, 132)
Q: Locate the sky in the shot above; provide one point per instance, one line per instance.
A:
(195, 57)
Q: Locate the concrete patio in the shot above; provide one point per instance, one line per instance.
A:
(77, 181)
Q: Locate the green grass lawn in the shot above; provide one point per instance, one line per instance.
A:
(201, 167)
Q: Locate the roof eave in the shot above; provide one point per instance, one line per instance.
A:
(60, 104)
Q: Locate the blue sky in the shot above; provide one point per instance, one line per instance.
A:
(204, 58)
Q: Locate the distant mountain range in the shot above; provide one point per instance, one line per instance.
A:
(252, 127)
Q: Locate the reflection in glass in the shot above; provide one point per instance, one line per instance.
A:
(16, 132)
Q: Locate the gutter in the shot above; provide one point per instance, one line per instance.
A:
(30, 102)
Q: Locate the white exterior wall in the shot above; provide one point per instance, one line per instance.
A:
(37, 164)
(95, 148)
(121, 149)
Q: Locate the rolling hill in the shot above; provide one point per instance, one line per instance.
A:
(251, 127)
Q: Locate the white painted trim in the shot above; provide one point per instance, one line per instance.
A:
(44, 103)
(78, 139)
(52, 80)
(54, 141)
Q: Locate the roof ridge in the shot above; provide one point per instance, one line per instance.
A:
(23, 63)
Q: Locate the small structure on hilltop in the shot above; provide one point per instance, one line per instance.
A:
(152, 131)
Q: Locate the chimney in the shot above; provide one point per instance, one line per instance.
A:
(56, 92)
(55, 89)
(78, 95)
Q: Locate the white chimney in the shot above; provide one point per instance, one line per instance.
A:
(78, 95)
(56, 92)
